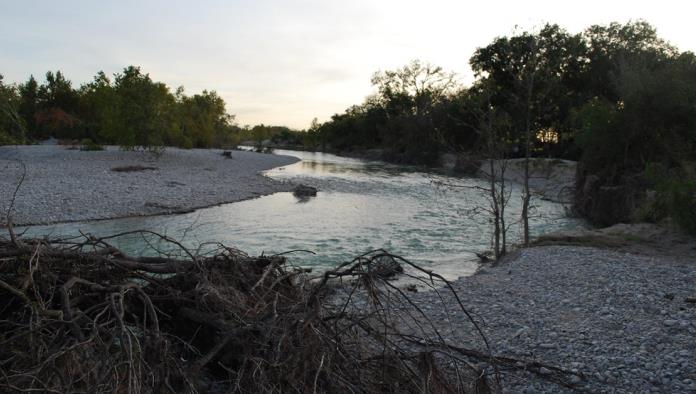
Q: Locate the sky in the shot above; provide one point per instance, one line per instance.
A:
(287, 62)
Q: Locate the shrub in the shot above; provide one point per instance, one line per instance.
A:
(7, 139)
(679, 197)
(675, 197)
(89, 145)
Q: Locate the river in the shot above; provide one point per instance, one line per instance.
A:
(361, 205)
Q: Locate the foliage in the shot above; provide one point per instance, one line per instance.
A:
(263, 135)
(56, 108)
(537, 79)
(146, 110)
(643, 92)
(597, 135)
(674, 194)
(612, 45)
(12, 130)
(680, 202)
(89, 145)
(101, 109)
(131, 110)
(649, 119)
(204, 120)
(409, 116)
(28, 103)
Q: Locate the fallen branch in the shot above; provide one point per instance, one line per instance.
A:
(92, 318)
(8, 217)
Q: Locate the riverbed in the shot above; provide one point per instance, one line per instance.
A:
(430, 217)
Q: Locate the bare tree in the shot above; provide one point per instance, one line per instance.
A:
(534, 87)
(493, 132)
(528, 84)
(531, 90)
(493, 127)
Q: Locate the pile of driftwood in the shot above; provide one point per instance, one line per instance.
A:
(80, 315)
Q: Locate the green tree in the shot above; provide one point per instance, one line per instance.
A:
(529, 73)
(12, 129)
(538, 79)
(608, 46)
(57, 106)
(204, 120)
(147, 113)
(100, 108)
(28, 105)
(409, 97)
(649, 121)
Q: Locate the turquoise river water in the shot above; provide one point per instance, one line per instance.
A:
(361, 206)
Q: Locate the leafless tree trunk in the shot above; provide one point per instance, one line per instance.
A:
(498, 196)
(530, 95)
(526, 195)
(493, 127)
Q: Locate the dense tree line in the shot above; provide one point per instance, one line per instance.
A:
(268, 135)
(617, 97)
(129, 109)
(542, 81)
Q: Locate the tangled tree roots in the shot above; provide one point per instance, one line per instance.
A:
(79, 315)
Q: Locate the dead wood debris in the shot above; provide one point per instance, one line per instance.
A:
(134, 168)
(80, 315)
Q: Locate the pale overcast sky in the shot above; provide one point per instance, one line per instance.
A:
(286, 62)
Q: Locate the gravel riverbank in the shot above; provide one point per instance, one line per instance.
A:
(627, 322)
(70, 185)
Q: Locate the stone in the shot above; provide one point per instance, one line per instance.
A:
(304, 191)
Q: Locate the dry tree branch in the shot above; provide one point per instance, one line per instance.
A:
(91, 318)
(8, 216)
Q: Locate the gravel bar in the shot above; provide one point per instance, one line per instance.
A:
(626, 322)
(64, 185)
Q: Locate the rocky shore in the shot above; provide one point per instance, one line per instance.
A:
(625, 322)
(64, 185)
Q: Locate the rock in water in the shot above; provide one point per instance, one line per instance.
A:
(305, 191)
